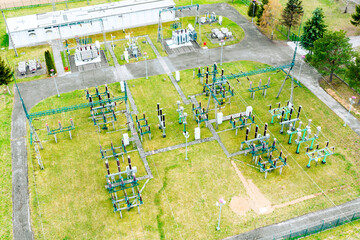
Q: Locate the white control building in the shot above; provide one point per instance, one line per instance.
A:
(39, 29)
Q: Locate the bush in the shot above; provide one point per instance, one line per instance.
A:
(49, 62)
(353, 71)
(253, 8)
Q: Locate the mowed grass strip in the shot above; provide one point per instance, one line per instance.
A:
(6, 108)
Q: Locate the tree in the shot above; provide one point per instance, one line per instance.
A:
(313, 30)
(355, 18)
(271, 15)
(5, 74)
(261, 10)
(253, 8)
(292, 14)
(332, 50)
(49, 62)
(347, 5)
(354, 71)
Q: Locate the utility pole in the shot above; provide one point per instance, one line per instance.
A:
(220, 203)
(104, 36)
(146, 70)
(222, 43)
(53, 5)
(53, 76)
(352, 101)
(186, 135)
(252, 18)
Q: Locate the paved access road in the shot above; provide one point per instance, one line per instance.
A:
(255, 47)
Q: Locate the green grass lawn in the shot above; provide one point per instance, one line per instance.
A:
(183, 190)
(25, 54)
(6, 107)
(335, 17)
(70, 189)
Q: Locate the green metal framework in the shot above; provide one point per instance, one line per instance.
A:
(263, 88)
(272, 163)
(97, 93)
(253, 72)
(261, 148)
(218, 92)
(104, 120)
(78, 106)
(199, 114)
(103, 109)
(113, 151)
(74, 107)
(143, 126)
(243, 121)
(319, 154)
(293, 130)
(117, 183)
(302, 139)
(208, 72)
(279, 111)
(61, 129)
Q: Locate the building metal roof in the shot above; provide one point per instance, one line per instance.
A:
(77, 15)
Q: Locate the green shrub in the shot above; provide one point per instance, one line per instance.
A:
(49, 62)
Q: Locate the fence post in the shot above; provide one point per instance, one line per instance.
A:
(337, 222)
(322, 225)
(353, 217)
(307, 229)
(290, 235)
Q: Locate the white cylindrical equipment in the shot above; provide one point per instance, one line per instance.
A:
(197, 133)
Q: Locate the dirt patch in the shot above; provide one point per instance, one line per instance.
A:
(343, 102)
(240, 205)
(296, 201)
(257, 201)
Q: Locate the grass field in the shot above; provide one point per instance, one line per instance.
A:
(335, 17)
(342, 92)
(6, 107)
(25, 54)
(89, 208)
(183, 190)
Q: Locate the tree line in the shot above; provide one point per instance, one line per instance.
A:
(327, 49)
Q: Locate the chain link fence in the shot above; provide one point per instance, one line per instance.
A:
(284, 31)
(317, 226)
